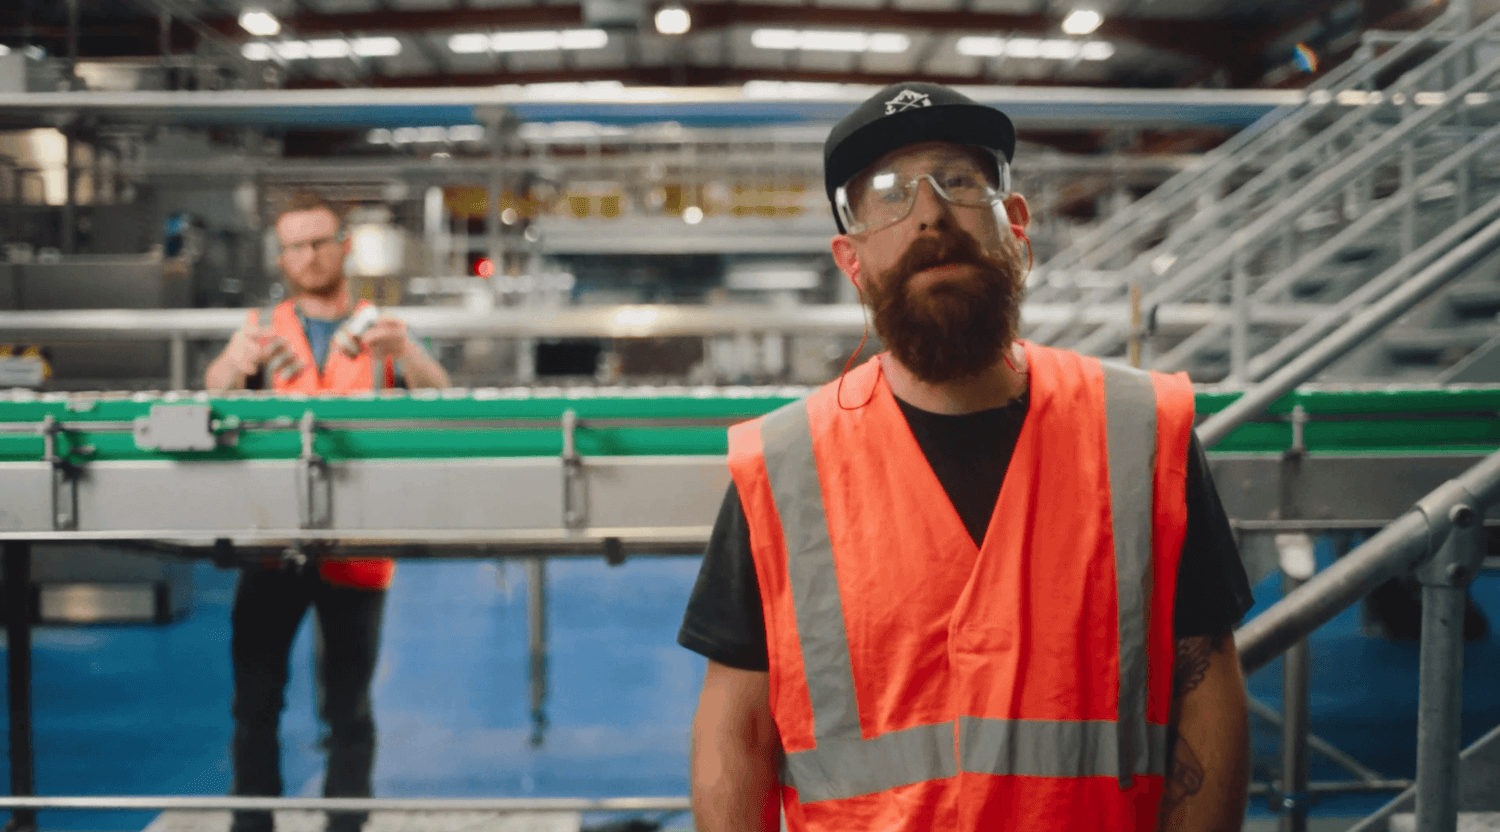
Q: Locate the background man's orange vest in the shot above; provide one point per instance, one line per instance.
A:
(919, 682)
(340, 374)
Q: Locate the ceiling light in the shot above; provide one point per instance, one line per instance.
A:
(829, 41)
(584, 39)
(328, 48)
(382, 47)
(259, 22)
(4, 50)
(469, 43)
(293, 50)
(544, 40)
(890, 43)
(1097, 50)
(775, 39)
(257, 51)
(834, 41)
(1023, 47)
(1082, 22)
(1059, 50)
(673, 19)
(976, 46)
(692, 215)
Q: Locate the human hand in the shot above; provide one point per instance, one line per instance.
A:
(250, 348)
(386, 338)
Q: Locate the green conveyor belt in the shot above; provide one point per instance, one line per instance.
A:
(1368, 420)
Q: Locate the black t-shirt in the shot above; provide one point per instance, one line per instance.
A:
(969, 453)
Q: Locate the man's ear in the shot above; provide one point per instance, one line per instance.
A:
(1017, 210)
(845, 257)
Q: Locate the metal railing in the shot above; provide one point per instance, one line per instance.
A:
(1267, 136)
(1244, 250)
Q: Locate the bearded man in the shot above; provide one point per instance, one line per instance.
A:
(974, 584)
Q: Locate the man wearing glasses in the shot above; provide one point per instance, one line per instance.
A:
(975, 583)
(317, 341)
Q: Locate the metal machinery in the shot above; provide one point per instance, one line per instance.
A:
(540, 472)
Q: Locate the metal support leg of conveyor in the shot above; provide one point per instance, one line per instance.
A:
(18, 658)
(1444, 579)
(1297, 566)
(536, 620)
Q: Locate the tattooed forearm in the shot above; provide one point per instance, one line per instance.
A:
(1191, 664)
(1186, 776)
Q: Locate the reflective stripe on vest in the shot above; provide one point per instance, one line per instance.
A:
(844, 764)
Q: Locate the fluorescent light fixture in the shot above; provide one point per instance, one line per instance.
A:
(1023, 48)
(1059, 50)
(293, 50)
(525, 41)
(381, 47)
(296, 50)
(976, 46)
(775, 39)
(889, 43)
(469, 43)
(1082, 22)
(432, 134)
(673, 19)
(379, 135)
(259, 22)
(1097, 50)
(541, 40)
(4, 50)
(792, 89)
(328, 48)
(815, 40)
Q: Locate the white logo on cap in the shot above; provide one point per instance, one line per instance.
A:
(907, 100)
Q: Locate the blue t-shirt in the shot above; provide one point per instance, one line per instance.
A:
(319, 332)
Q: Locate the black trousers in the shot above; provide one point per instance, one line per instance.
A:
(268, 607)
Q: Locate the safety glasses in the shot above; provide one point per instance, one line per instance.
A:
(879, 198)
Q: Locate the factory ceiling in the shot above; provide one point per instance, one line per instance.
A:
(425, 43)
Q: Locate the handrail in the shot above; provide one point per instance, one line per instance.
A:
(1348, 170)
(1225, 158)
(1347, 337)
(1309, 333)
(1392, 551)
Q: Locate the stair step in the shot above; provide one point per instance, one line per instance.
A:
(1430, 345)
(1475, 301)
(1467, 822)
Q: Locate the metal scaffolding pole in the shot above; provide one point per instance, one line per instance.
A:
(17, 554)
(1440, 702)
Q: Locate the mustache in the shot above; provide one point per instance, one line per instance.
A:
(950, 246)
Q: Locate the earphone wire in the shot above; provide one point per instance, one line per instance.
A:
(839, 393)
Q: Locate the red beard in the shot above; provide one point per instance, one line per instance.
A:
(957, 326)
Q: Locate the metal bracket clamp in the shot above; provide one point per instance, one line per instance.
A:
(315, 491)
(1459, 555)
(574, 484)
(64, 478)
(176, 427)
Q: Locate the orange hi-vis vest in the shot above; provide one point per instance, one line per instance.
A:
(340, 374)
(920, 682)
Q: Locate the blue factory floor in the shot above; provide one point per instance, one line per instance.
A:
(144, 709)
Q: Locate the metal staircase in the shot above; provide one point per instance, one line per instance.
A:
(1312, 215)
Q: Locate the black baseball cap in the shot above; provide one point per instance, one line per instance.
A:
(904, 114)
